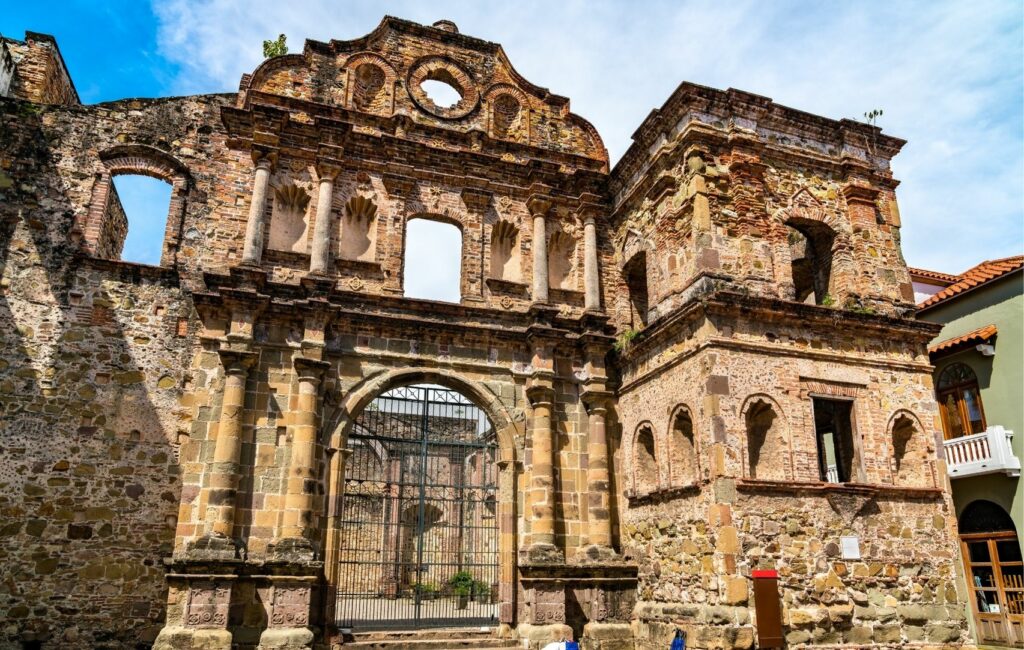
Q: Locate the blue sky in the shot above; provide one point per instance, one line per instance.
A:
(949, 76)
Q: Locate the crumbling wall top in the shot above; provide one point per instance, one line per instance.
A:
(382, 74)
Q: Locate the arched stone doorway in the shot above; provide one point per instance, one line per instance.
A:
(415, 539)
(995, 573)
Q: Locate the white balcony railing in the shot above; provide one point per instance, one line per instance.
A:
(988, 452)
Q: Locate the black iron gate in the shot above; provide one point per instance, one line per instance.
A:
(418, 534)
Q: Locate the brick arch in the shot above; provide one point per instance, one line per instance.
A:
(673, 452)
(100, 237)
(750, 405)
(633, 451)
(440, 68)
(509, 430)
(497, 100)
(805, 212)
(920, 444)
(385, 106)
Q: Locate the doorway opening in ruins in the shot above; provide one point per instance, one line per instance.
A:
(418, 537)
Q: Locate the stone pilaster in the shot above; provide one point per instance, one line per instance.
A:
(221, 490)
(320, 256)
(297, 534)
(599, 523)
(539, 206)
(252, 253)
(540, 495)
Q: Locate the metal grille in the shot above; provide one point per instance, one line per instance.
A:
(418, 535)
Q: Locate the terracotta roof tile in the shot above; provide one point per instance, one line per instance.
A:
(981, 274)
(980, 335)
(925, 274)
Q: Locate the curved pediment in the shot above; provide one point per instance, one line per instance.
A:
(383, 74)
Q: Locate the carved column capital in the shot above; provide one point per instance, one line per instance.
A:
(327, 170)
(311, 370)
(264, 158)
(540, 393)
(596, 401)
(237, 362)
(539, 205)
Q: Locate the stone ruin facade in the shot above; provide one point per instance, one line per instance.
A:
(699, 364)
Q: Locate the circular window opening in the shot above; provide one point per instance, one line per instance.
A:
(442, 93)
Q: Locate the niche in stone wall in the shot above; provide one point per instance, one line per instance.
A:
(645, 463)
(507, 117)
(767, 456)
(368, 92)
(635, 275)
(505, 251)
(289, 221)
(358, 237)
(910, 465)
(683, 449)
(561, 260)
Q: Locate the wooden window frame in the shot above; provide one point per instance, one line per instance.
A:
(957, 391)
(1007, 618)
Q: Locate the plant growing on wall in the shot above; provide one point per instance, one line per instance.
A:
(277, 47)
(625, 340)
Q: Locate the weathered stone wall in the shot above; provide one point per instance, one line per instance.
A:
(89, 390)
(90, 394)
(718, 184)
(199, 411)
(39, 73)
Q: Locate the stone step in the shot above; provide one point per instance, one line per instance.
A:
(432, 639)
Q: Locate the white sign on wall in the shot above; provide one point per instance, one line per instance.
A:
(850, 547)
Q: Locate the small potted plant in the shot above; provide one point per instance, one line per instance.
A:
(462, 586)
(426, 590)
(481, 591)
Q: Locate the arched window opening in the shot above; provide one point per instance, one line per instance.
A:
(909, 454)
(766, 447)
(135, 223)
(984, 516)
(960, 401)
(645, 463)
(505, 252)
(358, 235)
(289, 219)
(635, 272)
(433, 260)
(683, 450)
(810, 249)
(561, 255)
(833, 428)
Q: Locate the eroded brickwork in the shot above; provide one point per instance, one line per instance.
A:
(178, 435)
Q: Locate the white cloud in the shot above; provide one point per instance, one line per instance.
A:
(948, 75)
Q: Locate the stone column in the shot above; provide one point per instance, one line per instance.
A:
(540, 495)
(591, 275)
(320, 257)
(538, 208)
(599, 522)
(252, 254)
(222, 489)
(297, 525)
